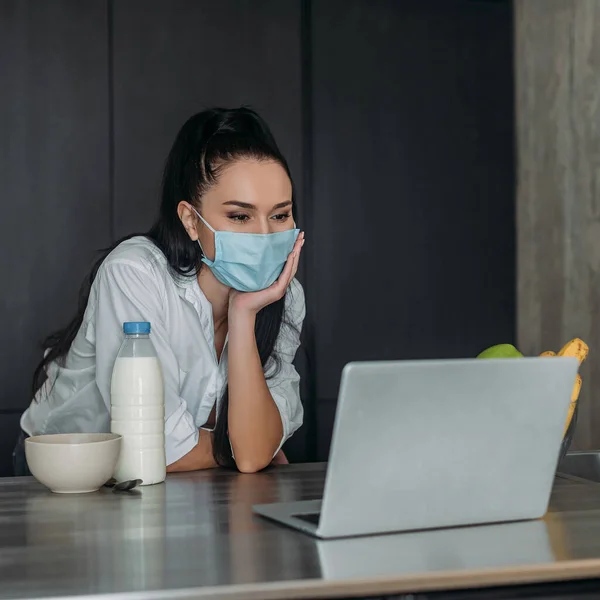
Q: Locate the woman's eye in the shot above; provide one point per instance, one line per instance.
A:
(239, 218)
(281, 217)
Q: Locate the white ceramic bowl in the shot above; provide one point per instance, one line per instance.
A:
(73, 463)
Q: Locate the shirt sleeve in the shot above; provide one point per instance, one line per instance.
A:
(284, 384)
(127, 291)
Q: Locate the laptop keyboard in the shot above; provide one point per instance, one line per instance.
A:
(312, 518)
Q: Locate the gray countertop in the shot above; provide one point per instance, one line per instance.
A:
(195, 536)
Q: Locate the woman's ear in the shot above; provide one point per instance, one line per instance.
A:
(188, 218)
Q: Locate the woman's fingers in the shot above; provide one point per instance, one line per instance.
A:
(281, 283)
(294, 267)
(297, 262)
(290, 269)
(296, 258)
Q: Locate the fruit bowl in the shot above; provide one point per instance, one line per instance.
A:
(570, 433)
(576, 348)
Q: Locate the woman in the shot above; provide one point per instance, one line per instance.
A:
(225, 309)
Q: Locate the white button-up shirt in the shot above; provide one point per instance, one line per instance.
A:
(134, 283)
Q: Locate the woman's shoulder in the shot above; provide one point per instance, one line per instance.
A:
(138, 252)
(135, 266)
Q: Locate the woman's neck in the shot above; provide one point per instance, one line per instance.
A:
(216, 293)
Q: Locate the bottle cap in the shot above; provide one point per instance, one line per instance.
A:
(133, 328)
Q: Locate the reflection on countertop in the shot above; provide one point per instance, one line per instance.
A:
(196, 536)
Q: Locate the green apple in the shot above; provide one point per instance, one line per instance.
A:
(501, 351)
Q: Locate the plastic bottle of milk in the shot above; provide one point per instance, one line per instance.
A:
(138, 407)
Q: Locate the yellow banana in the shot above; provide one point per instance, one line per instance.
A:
(576, 388)
(574, 398)
(577, 348)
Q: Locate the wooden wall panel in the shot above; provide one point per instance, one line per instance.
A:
(557, 61)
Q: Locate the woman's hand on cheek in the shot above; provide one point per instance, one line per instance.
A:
(252, 302)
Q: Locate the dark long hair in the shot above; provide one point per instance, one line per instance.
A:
(206, 143)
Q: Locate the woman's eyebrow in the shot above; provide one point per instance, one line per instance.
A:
(249, 206)
(240, 204)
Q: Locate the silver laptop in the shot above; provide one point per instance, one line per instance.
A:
(429, 444)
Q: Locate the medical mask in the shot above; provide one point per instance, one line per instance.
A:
(249, 262)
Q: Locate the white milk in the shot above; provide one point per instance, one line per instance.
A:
(138, 414)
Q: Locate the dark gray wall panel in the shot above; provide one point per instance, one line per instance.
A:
(172, 59)
(9, 432)
(412, 250)
(53, 172)
(410, 228)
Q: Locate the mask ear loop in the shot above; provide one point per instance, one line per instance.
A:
(204, 221)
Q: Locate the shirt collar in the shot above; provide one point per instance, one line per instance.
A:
(189, 289)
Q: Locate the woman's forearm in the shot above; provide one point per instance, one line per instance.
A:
(255, 428)
(197, 459)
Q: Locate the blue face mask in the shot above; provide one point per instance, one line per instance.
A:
(249, 262)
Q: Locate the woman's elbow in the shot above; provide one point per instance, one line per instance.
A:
(251, 464)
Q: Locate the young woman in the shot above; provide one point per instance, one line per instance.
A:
(225, 309)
